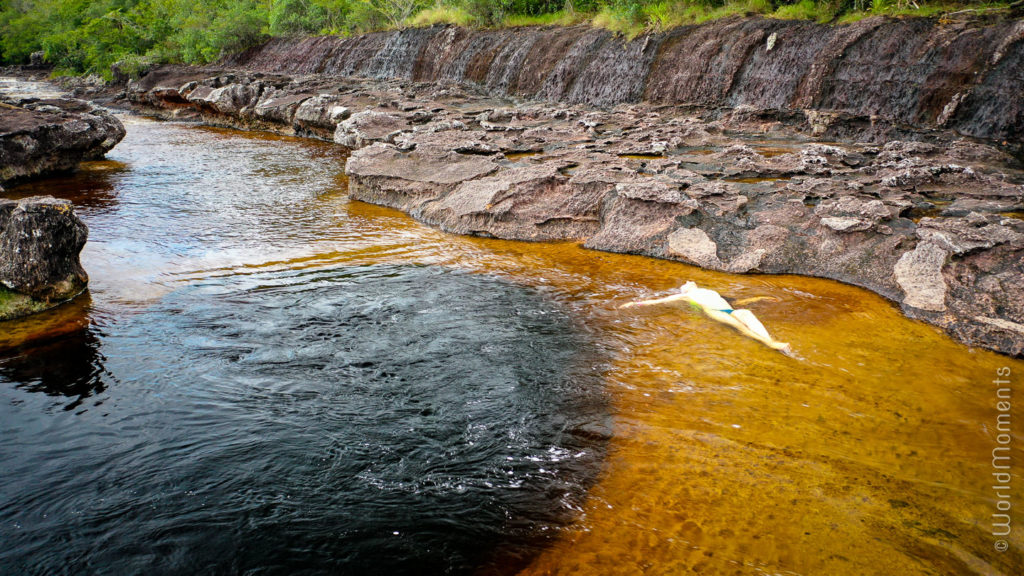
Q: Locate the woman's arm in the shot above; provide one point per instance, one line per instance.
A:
(672, 298)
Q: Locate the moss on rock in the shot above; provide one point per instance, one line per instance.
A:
(15, 305)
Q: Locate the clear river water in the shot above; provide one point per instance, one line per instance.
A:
(267, 378)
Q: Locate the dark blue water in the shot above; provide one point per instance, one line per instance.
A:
(223, 417)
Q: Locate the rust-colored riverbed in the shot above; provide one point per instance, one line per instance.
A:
(868, 453)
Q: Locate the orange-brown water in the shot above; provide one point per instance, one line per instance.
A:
(870, 453)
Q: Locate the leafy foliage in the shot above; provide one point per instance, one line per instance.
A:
(87, 36)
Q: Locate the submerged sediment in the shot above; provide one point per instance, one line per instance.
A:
(932, 222)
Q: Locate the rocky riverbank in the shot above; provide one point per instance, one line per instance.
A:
(41, 237)
(46, 136)
(936, 225)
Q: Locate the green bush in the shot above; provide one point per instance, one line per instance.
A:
(441, 14)
(365, 17)
(333, 15)
(487, 12)
(291, 17)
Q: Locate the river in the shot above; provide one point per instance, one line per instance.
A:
(265, 377)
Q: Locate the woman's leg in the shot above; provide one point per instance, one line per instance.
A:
(751, 322)
(748, 325)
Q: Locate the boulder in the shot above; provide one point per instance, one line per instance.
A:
(39, 137)
(320, 114)
(694, 246)
(919, 274)
(522, 203)
(384, 175)
(37, 60)
(369, 126)
(235, 99)
(40, 241)
(277, 107)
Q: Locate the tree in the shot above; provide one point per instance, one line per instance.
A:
(394, 12)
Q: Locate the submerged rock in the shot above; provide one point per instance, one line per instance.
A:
(365, 128)
(39, 137)
(40, 241)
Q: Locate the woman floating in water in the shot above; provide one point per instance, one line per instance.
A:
(717, 308)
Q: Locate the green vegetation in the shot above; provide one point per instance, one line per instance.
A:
(922, 9)
(804, 10)
(87, 36)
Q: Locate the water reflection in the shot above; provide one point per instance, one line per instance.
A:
(69, 366)
(92, 188)
(56, 352)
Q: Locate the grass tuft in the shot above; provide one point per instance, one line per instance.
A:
(806, 10)
(441, 15)
(560, 18)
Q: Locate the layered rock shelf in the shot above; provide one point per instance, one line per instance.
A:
(40, 137)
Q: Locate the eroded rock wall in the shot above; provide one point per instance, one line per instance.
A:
(922, 73)
(702, 145)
